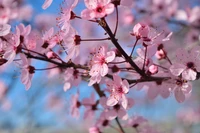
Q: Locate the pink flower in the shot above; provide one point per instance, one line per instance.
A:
(99, 64)
(46, 4)
(66, 14)
(27, 71)
(75, 104)
(187, 64)
(72, 42)
(13, 47)
(118, 89)
(141, 31)
(97, 9)
(117, 110)
(50, 39)
(71, 78)
(4, 29)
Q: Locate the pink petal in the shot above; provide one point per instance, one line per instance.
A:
(189, 74)
(124, 102)
(110, 56)
(180, 97)
(87, 14)
(164, 92)
(109, 8)
(176, 69)
(46, 4)
(111, 114)
(111, 101)
(125, 86)
(104, 70)
(187, 88)
(153, 92)
(91, 4)
(122, 114)
(117, 79)
(67, 86)
(4, 29)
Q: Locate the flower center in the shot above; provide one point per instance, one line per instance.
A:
(120, 90)
(99, 9)
(190, 65)
(102, 61)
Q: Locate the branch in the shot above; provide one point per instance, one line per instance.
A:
(105, 26)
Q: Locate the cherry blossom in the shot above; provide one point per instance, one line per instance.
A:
(71, 78)
(74, 106)
(118, 89)
(67, 14)
(27, 71)
(187, 64)
(99, 64)
(97, 9)
(72, 42)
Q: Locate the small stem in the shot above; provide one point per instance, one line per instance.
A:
(117, 62)
(88, 20)
(101, 39)
(134, 47)
(34, 52)
(167, 58)
(41, 69)
(120, 126)
(117, 21)
(115, 128)
(145, 55)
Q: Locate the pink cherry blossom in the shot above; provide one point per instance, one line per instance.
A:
(118, 89)
(140, 31)
(74, 106)
(13, 47)
(72, 43)
(97, 9)
(187, 64)
(66, 14)
(27, 71)
(46, 4)
(99, 64)
(116, 110)
(71, 78)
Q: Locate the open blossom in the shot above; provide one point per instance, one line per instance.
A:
(27, 71)
(187, 64)
(72, 42)
(74, 106)
(99, 64)
(117, 110)
(71, 78)
(118, 89)
(66, 14)
(97, 9)
(13, 47)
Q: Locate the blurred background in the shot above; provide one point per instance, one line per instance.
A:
(44, 108)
